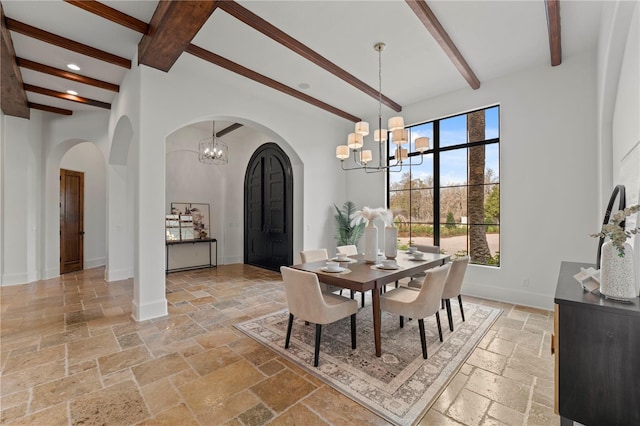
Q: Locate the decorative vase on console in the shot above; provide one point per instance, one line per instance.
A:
(617, 275)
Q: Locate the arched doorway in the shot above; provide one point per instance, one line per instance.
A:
(268, 208)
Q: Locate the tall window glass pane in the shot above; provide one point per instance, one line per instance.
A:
(453, 131)
(452, 199)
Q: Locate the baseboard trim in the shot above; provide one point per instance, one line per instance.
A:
(501, 294)
(52, 273)
(117, 274)
(149, 310)
(15, 279)
(92, 263)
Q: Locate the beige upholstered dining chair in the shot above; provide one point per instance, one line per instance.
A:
(418, 304)
(452, 287)
(316, 255)
(349, 250)
(427, 249)
(416, 280)
(308, 303)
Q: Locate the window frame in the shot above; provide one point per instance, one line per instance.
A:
(436, 150)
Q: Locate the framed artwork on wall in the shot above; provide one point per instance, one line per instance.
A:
(194, 220)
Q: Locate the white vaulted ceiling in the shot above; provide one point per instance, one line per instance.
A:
(495, 37)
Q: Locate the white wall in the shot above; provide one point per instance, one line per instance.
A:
(547, 159)
(626, 126)
(86, 158)
(21, 175)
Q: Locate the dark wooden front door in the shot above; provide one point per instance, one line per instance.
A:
(268, 205)
(71, 221)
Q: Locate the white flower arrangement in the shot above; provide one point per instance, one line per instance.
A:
(616, 233)
(368, 214)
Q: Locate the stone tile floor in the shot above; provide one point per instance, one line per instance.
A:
(70, 354)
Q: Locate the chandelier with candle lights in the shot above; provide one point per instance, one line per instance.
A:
(362, 158)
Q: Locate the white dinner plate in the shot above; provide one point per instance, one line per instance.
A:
(340, 269)
(387, 268)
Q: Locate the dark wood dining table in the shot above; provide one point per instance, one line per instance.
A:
(361, 276)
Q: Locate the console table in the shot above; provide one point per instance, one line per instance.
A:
(596, 343)
(209, 241)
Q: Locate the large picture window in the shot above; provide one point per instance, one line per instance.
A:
(452, 199)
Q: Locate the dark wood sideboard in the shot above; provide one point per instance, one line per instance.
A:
(596, 343)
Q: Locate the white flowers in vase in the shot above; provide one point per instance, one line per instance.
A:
(367, 215)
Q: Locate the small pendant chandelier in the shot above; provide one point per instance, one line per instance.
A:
(212, 150)
(399, 137)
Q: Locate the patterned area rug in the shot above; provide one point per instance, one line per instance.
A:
(400, 386)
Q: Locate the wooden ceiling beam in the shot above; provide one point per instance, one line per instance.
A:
(246, 72)
(49, 108)
(66, 43)
(430, 21)
(173, 25)
(14, 99)
(46, 69)
(553, 25)
(111, 14)
(66, 96)
(227, 130)
(266, 28)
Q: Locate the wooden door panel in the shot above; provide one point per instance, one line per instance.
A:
(71, 221)
(268, 209)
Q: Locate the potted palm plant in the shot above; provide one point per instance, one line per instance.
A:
(346, 233)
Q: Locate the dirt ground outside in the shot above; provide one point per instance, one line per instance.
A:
(453, 245)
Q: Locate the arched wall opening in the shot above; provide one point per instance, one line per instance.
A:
(223, 186)
(120, 209)
(84, 156)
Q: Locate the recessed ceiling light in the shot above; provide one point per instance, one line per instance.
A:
(73, 67)
(304, 86)
(72, 92)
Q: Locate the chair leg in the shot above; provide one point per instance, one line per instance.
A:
(397, 284)
(401, 321)
(439, 326)
(362, 299)
(317, 352)
(441, 303)
(461, 309)
(353, 331)
(286, 342)
(351, 294)
(449, 316)
(423, 339)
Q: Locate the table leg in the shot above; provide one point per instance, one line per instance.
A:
(375, 296)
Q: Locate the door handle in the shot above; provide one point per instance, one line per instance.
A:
(81, 232)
